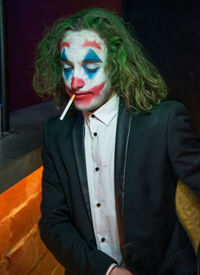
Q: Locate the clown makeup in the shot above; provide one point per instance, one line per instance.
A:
(83, 58)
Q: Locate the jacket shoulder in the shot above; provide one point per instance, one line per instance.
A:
(168, 106)
(161, 114)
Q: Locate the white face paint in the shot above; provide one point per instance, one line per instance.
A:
(83, 57)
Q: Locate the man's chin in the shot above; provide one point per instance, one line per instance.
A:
(90, 107)
(85, 108)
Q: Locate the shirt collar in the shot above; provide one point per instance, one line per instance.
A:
(106, 112)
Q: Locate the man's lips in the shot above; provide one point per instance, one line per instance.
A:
(85, 97)
(83, 93)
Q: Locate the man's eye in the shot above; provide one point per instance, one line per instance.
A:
(67, 67)
(92, 68)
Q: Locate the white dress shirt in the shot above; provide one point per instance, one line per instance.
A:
(100, 132)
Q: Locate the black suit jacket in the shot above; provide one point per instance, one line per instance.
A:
(152, 152)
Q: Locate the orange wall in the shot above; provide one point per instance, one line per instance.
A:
(21, 249)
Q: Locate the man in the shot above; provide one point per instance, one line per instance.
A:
(111, 165)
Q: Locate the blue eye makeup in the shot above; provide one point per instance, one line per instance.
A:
(91, 69)
(67, 69)
(92, 56)
(64, 56)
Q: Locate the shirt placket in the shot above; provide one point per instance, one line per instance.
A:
(99, 195)
(97, 190)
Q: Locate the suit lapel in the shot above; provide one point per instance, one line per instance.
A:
(121, 149)
(79, 151)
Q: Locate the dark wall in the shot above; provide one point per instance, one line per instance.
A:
(170, 32)
(26, 21)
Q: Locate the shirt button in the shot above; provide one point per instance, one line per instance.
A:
(98, 204)
(97, 169)
(95, 134)
(103, 240)
(92, 116)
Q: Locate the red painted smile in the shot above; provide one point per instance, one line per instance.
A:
(86, 97)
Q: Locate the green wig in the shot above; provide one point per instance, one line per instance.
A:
(132, 75)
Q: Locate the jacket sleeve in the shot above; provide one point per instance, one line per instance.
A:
(184, 148)
(57, 230)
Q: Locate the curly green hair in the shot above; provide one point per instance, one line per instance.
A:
(132, 75)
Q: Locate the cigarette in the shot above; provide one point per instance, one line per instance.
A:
(67, 107)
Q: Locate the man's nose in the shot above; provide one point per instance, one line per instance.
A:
(77, 83)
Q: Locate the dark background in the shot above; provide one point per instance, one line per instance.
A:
(170, 32)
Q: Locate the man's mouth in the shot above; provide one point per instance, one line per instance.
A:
(95, 91)
(78, 93)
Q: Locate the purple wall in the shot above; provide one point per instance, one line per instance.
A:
(26, 21)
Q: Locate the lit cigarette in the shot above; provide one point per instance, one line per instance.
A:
(67, 107)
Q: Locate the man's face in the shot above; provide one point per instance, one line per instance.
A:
(83, 58)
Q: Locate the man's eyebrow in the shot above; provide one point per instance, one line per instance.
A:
(93, 44)
(64, 44)
(92, 56)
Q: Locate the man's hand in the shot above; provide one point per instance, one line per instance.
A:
(121, 271)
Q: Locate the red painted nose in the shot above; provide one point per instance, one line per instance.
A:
(77, 83)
